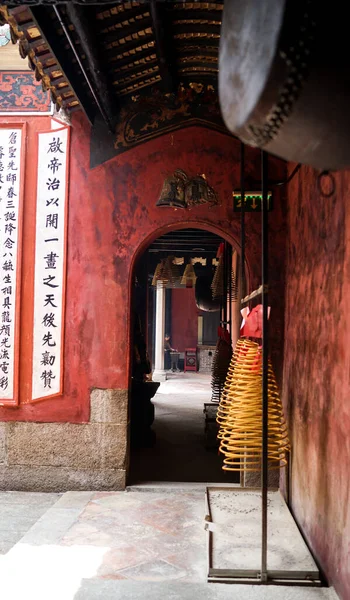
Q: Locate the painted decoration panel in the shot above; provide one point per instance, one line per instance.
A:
(50, 263)
(10, 264)
(21, 93)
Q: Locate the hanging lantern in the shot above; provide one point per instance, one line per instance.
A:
(240, 414)
(189, 277)
(173, 190)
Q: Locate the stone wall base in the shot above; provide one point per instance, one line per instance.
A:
(60, 479)
(57, 457)
(253, 480)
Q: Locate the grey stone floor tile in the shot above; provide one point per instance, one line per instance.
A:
(154, 570)
(18, 516)
(28, 498)
(95, 589)
(52, 526)
(76, 500)
(19, 511)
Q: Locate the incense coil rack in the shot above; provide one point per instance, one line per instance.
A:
(240, 414)
(221, 363)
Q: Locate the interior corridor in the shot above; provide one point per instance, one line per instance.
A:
(179, 452)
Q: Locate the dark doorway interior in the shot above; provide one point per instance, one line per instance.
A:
(171, 438)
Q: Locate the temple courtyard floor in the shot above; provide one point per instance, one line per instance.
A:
(142, 544)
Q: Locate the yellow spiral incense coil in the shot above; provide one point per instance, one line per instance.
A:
(240, 414)
(225, 401)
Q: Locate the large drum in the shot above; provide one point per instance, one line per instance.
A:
(284, 78)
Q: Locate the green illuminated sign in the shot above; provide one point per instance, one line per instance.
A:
(252, 201)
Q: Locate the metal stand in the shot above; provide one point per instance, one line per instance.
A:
(305, 578)
(265, 348)
(262, 576)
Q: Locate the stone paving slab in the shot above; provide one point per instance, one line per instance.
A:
(122, 545)
(94, 589)
(19, 511)
(237, 518)
(55, 522)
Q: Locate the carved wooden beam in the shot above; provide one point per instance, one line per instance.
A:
(43, 18)
(83, 23)
(30, 3)
(166, 57)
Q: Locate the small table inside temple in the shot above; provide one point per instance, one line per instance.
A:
(174, 357)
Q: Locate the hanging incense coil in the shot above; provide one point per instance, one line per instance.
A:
(221, 363)
(217, 285)
(172, 272)
(160, 275)
(234, 286)
(225, 400)
(157, 273)
(240, 414)
(166, 274)
(189, 277)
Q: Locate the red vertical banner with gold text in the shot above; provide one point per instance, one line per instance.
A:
(12, 143)
(50, 263)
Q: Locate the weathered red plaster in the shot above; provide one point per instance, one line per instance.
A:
(317, 368)
(112, 219)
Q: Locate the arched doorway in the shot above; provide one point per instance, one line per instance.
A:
(174, 335)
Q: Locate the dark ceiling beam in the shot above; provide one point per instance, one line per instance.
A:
(43, 18)
(193, 49)
(198, 77)
(121, 17)
(196, 28)
(137, 69)
(196, 14)
(166, 58)
(182, 43)
(194, 64)
(128, 60)
(111, 36)
(132, 45)
(31, 3)
(119, 84)
(83, 23)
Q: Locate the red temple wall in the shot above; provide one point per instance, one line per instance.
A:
(184, 319)
(112, 218)
(317, 367)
